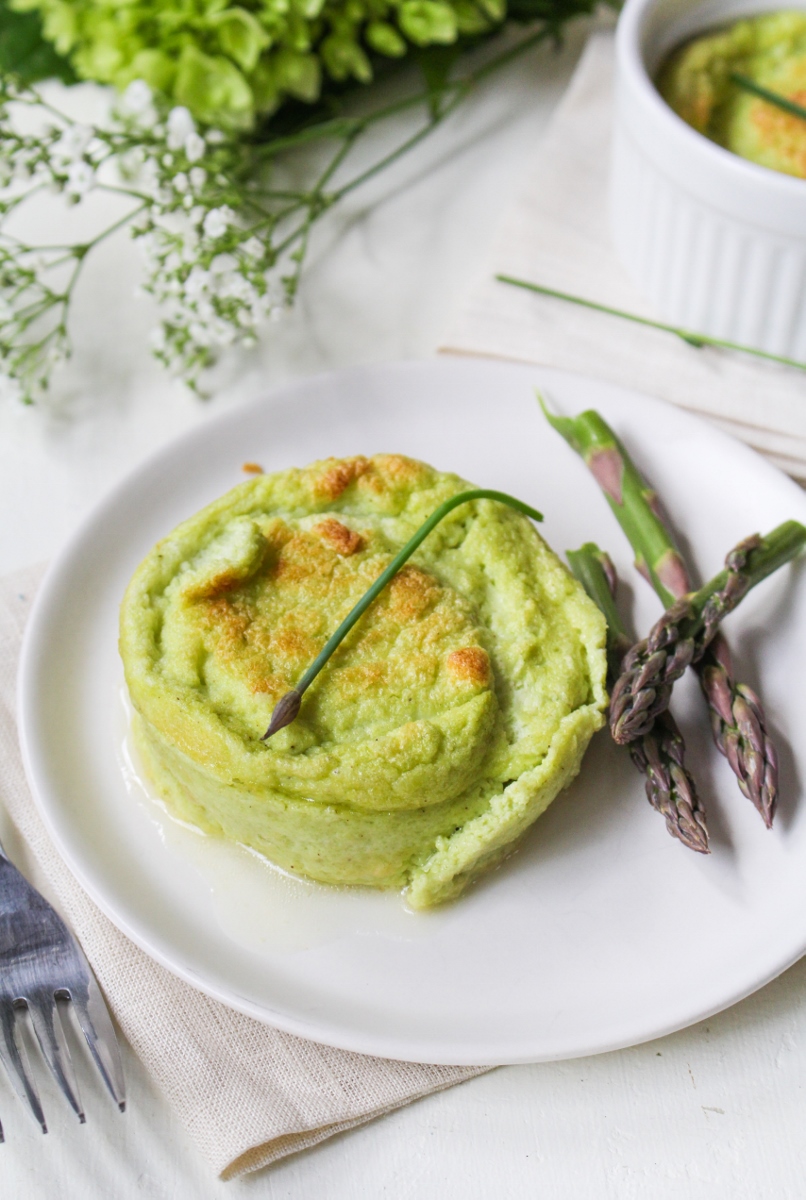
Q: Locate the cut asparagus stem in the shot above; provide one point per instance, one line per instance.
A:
(595, 571)
(633, 502)
(660, 754)
(738, 724)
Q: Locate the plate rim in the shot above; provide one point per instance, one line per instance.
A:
(320, 1031)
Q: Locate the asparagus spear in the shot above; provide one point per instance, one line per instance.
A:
(595, 571)
(739, 729)
(737, 716)
(683, 633)
(634, 504)
(659, 754)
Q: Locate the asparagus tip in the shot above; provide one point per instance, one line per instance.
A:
(696, 839)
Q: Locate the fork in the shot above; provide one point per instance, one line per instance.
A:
(42, 963)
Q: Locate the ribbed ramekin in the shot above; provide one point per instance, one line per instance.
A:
(715, 243)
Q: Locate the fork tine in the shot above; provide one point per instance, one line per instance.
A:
(50, 1035)
(15, 1060)
(93, 1017)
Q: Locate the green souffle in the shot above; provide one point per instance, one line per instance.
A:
(442, 727)
(771, 51)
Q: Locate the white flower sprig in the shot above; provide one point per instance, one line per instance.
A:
(222, 247)
(207, 244)
(206, 238)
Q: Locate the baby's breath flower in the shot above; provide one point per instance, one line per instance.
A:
(252, 248)
(221, 251)
(73, 143)
(196, 283)
(80, 177)
(137, 99)
(180, 126)
(217, 221)
(195, 147)
(202, 335)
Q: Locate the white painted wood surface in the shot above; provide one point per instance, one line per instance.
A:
(718, 1111)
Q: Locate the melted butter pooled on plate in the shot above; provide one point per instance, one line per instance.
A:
(258, 905)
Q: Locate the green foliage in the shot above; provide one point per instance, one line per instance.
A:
(24, 52)
(232, 64)
(223, 244)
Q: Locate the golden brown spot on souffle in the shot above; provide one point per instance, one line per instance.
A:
(339, 474)
(214, 588)
(410, 593)
(389, 472)
(783, 131)
(379, 474)
(343, 540)
(470, 664)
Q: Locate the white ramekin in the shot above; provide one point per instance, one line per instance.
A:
(715, 243)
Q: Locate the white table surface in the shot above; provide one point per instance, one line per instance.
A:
(715, 1111)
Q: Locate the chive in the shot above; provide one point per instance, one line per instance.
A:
(782, 102)
(688, 335)
(288, 706)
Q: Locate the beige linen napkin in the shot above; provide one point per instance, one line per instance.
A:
(556, 235)
(248, 1094)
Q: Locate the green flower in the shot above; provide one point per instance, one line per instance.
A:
(241, 36)
(385, 39)
(210, 86)
(428, 21)
(232, 63)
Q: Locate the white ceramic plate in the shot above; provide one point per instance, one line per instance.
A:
(601, 931)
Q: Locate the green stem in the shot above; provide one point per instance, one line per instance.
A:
(395, 154)
(334, 164)
(15, 201)
(508, 56)
(688, 335)
(276, 194)
(81, 252)
(26, 316)
(660, 754)
(339, 127)
(459, 91)
(587, 564)
(462, 88)
(281, 715)
(345, 127)
(782, 102)
(131, 193)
